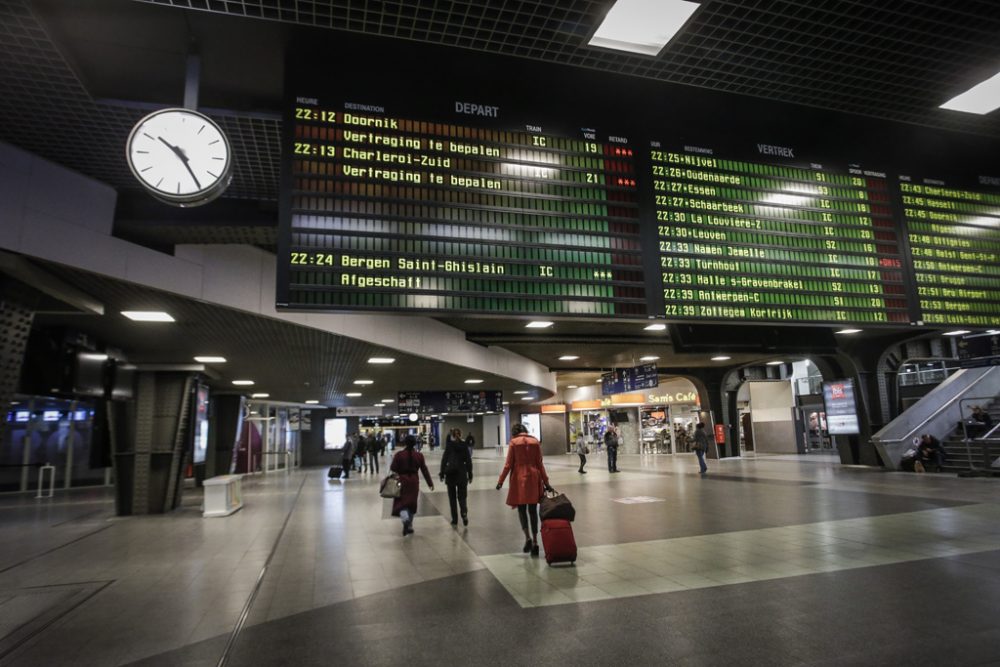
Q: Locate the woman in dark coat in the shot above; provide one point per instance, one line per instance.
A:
(456, 472)
(528, 481)
(407, 463)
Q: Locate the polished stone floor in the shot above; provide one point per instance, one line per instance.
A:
(770, 561)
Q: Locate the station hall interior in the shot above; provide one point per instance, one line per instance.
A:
(759, 244)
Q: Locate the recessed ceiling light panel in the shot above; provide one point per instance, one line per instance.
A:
(148, 315)
(210, 360)
(656, 327)
(980, 99)
(721, 357)
(364, 382)
(568, 357)
(538, 324)
(473, 381)
(243, 383)
(353, 394)
(381, 360)
(642, 26)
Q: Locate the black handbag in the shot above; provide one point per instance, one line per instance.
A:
(556, 506)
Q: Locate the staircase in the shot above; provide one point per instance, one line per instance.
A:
(957, 451)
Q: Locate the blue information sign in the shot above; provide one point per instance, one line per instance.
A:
(624, 380)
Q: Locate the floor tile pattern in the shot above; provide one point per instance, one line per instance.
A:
(664, 566)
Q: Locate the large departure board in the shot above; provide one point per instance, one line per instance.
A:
(954, 238)
(395, 212)
(397, 198)
(760, 241)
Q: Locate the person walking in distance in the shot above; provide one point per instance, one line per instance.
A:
(528, 481)
(582, 450)
(611, 442)
(347, 457)
(456, 472)
(361, 453)
(376, 446)
(407, 463)
(701, 445)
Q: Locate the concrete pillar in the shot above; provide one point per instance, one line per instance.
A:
(149, 468)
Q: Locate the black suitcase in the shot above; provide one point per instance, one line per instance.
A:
(335, 472)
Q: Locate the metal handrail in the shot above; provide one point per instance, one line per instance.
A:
(965, 426)
(950, 403)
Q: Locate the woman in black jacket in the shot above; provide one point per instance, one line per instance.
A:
(456, 473)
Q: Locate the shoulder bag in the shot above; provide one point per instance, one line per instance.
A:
(391, 487)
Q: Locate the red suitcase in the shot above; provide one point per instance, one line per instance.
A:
(558, 541)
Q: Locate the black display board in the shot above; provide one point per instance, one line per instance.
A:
(623, 380)
(621, 199)
(436, 402)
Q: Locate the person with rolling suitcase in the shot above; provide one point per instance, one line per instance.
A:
(528, 481)
(557, 534)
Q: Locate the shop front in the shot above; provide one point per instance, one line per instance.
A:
(660, 421)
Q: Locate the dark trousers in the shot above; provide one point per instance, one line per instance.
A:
(583, 461)
(373, 461)
(612, 459)
(701, 460)
(457, 492)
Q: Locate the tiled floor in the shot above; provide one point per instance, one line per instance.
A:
(663, 566)
(768, 561)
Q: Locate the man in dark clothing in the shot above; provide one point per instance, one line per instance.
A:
(611, 442)
(347, 458)
(361, 453)
(375, 449)
(456, 472)
(929, 453)
(701, 446)
(979, 422)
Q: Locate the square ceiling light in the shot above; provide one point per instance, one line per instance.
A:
(642, 26)
(981, 98)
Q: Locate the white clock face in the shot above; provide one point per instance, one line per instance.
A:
(181, 156)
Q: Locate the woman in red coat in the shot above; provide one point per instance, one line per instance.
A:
(528, 481)
(406, 464)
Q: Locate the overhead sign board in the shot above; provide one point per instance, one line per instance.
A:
(623, 380)
(436, 402)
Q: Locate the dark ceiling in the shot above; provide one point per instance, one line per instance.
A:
(76, 76)
(287, 361)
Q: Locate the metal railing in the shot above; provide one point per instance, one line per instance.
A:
(983, 438)
(893, 439)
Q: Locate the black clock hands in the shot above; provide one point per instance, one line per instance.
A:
(183, 158)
